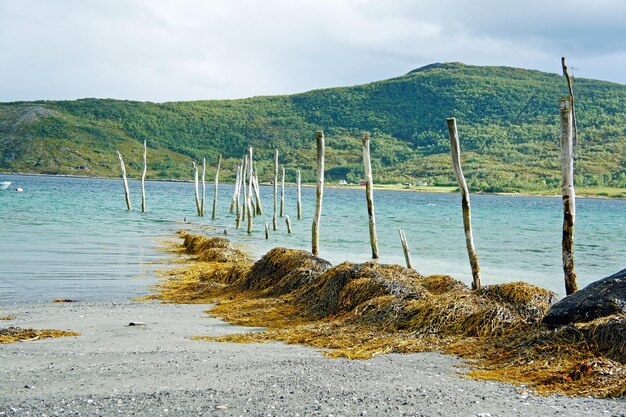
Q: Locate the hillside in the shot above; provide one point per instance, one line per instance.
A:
(508, 124)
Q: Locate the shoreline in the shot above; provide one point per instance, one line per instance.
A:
(156, 369)
(377, 187)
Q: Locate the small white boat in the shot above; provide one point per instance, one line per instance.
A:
(4, 185)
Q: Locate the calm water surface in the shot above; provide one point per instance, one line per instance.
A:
(74, 238)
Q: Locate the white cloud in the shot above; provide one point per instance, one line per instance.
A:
(164, 50)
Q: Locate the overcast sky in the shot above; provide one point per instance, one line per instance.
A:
(166, 50)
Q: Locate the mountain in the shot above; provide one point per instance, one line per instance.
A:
(508, 125)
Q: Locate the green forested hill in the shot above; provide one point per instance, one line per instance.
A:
(508, 123)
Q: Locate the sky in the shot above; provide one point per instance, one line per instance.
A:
(171, 50)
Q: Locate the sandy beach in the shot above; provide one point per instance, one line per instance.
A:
(155, 369)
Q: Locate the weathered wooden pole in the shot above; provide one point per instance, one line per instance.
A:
(232, 201)
(571, 94)
(250, 208)
(315, 230)
(274, 220)
(569, 194)
(195, 177)
(217, 180)
(203, 186)
(143, 177)
(267, 231)
(465, 202)
(369, 194)
(299, 190)
(282, 193)
(244, 192)
(405, 249)
(126, 191)
(288, 221)
(257, 195)
(237, 194)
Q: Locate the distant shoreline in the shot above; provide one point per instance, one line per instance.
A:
(582, 192)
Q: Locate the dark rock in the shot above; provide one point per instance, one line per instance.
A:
(602, 298)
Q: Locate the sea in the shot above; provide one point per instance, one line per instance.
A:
(65, 237)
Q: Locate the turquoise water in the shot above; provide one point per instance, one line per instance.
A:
(74, 238)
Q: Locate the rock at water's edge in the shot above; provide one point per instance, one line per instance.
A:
(602, 298)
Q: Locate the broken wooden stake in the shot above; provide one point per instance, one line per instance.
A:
(405, 249)
(288, 221)
(267, 231)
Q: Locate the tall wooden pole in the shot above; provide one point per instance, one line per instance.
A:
(405, 249)
(244, 192)
(203, 186)
(238, 213)
(369, 194)
(126, 191)
(299, 190)
(282, 193)
(251, 211)
(217, 180)
(232, 201)
(569, 194)
(315, 230)
(274, 220)
(257, 195)
(143, 177)
(571, 94)
(465, 202)
(195, 178)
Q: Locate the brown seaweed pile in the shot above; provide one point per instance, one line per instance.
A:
(361, 310)
(17, 334)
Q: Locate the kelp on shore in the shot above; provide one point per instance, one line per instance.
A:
(361, 310)
(18, 334)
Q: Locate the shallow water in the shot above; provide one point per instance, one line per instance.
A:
(73, 237)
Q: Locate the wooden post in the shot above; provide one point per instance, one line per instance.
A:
(571, 94)
(299, 190)
(232, 201)
(250, 209)
(369, 194)
(217, 180)
(569, 194)
(315, 230)
(267, 231)
(405, 248)
(143, 177)
(465, 202)
(282, 193)
(274, 225)
(126, 191)
(244, 192)
(195, 177)
(257, 194)
(237, 193)
(203, 186)
(288, 221)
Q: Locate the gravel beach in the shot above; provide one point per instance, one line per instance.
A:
(155, 369)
